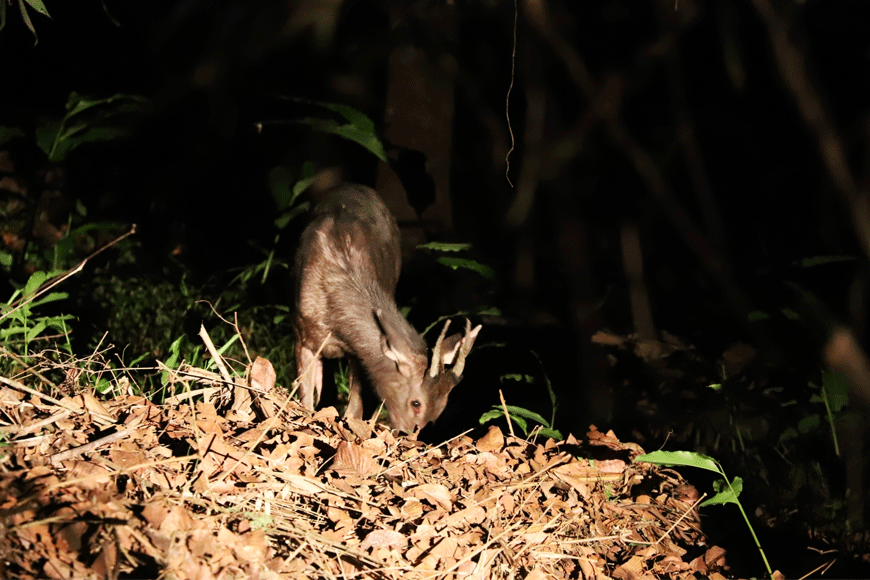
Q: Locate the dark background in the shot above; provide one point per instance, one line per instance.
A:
(674, 120)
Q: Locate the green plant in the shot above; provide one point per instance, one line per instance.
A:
(358, 127)
(519, 415)
(20, 321)
(457, 263)
(86, 120)
(25, 17)
(726, 491)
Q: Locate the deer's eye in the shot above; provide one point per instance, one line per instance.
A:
(416, 404)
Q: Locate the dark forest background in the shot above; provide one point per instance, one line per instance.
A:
(678, 246)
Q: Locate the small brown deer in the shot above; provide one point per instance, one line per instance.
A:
(347, 267)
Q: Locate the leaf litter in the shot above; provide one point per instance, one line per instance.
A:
(245, 483)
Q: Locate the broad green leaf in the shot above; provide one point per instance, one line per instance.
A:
(472, 265)
(356, 118)
(490, 415)
(280, 185)
(70, 140)
(525, 413)
(35, 330)
(47, 135)
(48, 298)
(725, 493)
(77, 104)
(39, 7)
(444, 247)
(551, 433)
(6, 333)
(521, 423)
(36, 280)
(350, 132)
(836, 389)
(684, 458)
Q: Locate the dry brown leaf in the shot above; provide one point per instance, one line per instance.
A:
(384, 539)
(353, 458)
(492, 441)
(435, 493)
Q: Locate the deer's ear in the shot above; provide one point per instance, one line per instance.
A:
(450, 347)
(403, 363)
(390, 348)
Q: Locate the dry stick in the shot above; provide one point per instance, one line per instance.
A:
(20, 430)
(812, 572)
(32, 371)
(506, 414)
(234, 324)
(106, 420)
(217, 358)
(679, 519)
(88, 447)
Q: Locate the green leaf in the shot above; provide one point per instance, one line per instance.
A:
(356, 118)
(521, 423)
(280, 185)
(77, 104)
(36, 280)
(350, 132)
(39, 7)
(103, 386)
(472, 265)
(809, 424)
(8, 133)
(173, 360)
(444, 247)
(527, 414)
(26, 18)
(836, 389)
(35, 330)
(551, 433)
(48, 298)
(490, 415)
(684, 458)
(517, 377)
(47, 135)
(725, 493)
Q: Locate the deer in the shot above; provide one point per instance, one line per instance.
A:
(347, 267)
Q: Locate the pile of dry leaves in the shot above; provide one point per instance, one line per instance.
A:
(251, 485)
